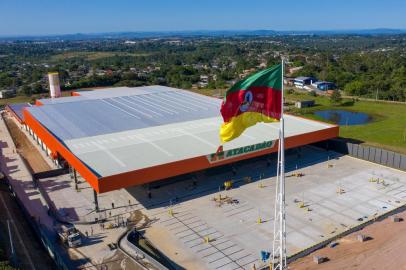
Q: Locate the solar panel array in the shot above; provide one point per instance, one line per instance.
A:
(104, 112)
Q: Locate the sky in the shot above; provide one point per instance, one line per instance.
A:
(47, 17)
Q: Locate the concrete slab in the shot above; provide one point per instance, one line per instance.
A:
(330, 213)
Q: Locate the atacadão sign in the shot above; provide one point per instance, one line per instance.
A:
(221, 155)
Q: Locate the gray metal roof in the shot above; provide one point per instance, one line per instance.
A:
(130, 150)
(108, 111)
(124, 129)
(18, 108)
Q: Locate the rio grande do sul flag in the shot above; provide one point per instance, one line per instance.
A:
(257, 98)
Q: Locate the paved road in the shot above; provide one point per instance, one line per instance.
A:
(29, 250)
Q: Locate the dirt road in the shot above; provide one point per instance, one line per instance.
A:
(30, 154)
(385, 250)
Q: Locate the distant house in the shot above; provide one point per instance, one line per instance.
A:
(302, 81)
(7, 93)
(324, 86)
(304, 104)
(204, 78)
(316, 83)
(204, 81)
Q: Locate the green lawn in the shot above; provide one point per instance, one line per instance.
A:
(17, 99)
(387, 130)
(31, 99)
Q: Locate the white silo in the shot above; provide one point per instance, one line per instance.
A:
(54, 87)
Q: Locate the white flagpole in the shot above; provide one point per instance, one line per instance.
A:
(279, 241)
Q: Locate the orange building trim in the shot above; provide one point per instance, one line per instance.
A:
(57, 147)
(38, 103)
(75, 94)
(155, 173)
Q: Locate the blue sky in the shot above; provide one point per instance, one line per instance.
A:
(42, 17)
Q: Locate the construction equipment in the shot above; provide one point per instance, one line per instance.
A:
(296, 174)
(69, 235)
(259, 220)
(228, 185)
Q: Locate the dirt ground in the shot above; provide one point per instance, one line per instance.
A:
(34, 159)
(385, 249)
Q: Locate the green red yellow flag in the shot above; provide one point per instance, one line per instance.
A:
(258, 98)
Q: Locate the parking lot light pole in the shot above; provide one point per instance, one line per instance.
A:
(96, 203)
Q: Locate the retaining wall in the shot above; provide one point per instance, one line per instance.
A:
(369, 153)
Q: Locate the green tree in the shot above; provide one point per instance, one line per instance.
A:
(356, 88)
(26, 90)
(335, 97)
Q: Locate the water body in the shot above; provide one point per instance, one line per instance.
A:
(345, 118)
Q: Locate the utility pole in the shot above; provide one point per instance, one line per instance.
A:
(13, 256)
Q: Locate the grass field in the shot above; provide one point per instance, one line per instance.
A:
(31, 99)
(93, 55)
(17, 99)
(386, 130)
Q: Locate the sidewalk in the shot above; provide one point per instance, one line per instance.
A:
(21, 179)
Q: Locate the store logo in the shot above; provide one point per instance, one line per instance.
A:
(221, 155)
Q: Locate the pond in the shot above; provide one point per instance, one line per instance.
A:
(345, 118)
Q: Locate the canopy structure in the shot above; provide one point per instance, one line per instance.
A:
(119, 137)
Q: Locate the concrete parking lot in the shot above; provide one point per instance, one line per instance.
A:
(337, 192)
(197, 229)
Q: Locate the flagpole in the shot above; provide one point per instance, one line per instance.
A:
(279, 242)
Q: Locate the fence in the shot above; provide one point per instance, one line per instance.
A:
(369, 153)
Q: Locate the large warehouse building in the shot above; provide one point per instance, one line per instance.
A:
(120, 137)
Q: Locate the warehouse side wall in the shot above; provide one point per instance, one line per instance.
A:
(57, 147)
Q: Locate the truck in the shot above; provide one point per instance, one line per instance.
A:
(69, 235)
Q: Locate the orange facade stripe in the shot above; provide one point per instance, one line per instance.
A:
(38, 103)
(57, 147)
(159, 172)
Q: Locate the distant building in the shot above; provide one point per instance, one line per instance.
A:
(204, 81)
(304, 104)
(324, 86)
(302, 81)
(7, 93)
(202, 84)
(204, 78)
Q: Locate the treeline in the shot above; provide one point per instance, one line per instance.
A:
(368, 74)
(360, 65)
